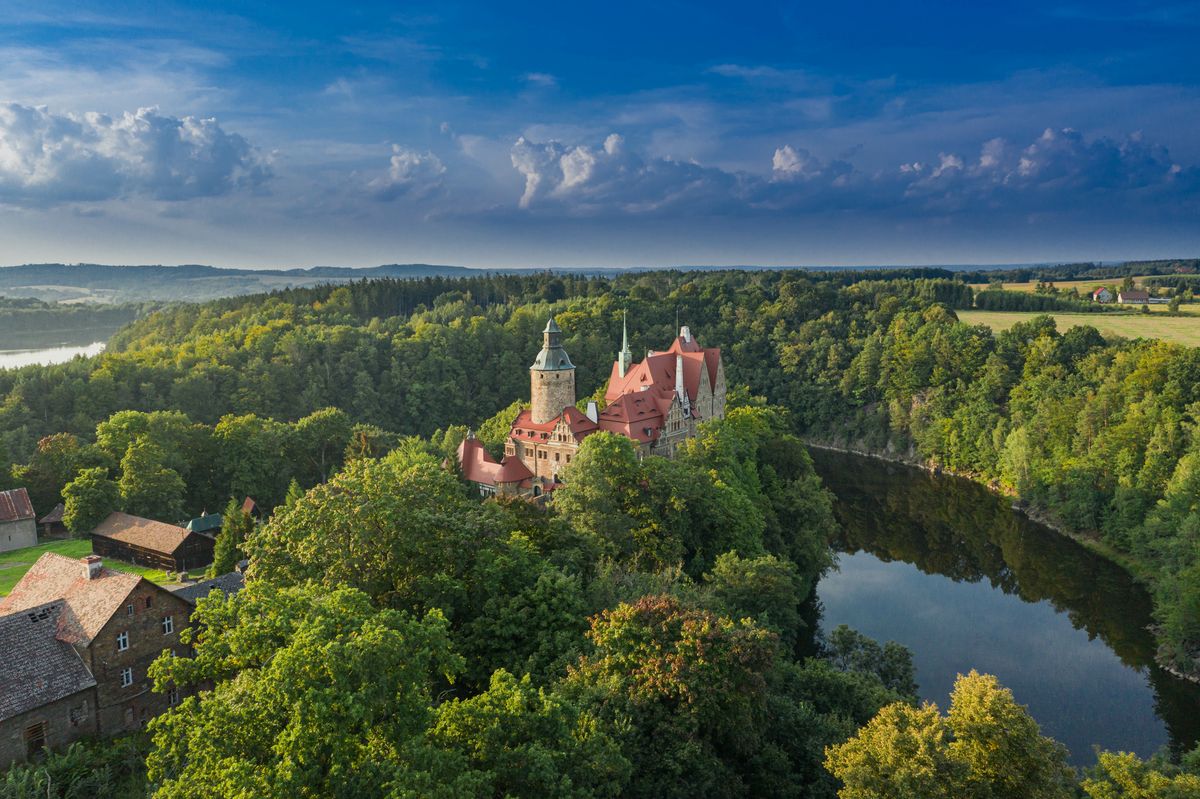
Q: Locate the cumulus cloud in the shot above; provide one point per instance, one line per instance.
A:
(583, 178)
(1060, 170)
(48, 158)
(410, 174)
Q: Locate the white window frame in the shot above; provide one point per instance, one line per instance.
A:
(168, 625)
(126, 676)
(123, 641)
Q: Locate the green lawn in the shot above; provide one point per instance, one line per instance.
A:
(13, 565)
(1179, 329)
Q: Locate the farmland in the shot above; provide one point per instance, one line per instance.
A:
(1179, 329)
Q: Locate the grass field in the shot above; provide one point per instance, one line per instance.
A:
(13, 565)
(1084, 287)
(1179, 329)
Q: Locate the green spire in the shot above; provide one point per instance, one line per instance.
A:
(625, 356)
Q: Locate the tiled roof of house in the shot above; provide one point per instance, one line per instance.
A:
(638, 415)
(144, 533)
(227, 584)
(88, 604)
(1133, 294)
(15, 505)
(480, 467)
(250, 507)
(525, 429)
(55, 516)
(36, 668)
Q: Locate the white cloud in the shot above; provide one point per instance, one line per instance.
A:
(48, 158)
(584, 179)
(409, 173)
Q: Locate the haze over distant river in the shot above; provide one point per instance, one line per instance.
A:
(946, 568)
(13, 359)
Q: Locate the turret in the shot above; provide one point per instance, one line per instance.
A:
(680, 391)
(551, 378)
(625, 356)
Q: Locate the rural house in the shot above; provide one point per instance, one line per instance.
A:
(76, 642)
(1102, 295)
(146, 542)
(18, 527)
(51, 525)
(206, 523)
(1133, 296)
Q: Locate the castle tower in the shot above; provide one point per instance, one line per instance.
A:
(551, 378)
(625, 356)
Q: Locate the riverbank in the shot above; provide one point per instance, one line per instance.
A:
(1139, 571)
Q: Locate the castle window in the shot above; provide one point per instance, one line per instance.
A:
(556, 456)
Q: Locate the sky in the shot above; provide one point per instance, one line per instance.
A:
(554, 135)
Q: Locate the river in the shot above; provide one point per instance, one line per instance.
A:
(945, 567)
(44, 356)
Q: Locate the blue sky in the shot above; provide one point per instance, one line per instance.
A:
(538, 134)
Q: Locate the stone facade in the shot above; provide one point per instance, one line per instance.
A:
(551, 378)
(52, 726)
(142, 618)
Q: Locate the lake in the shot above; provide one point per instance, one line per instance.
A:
(13, 359)
(948, 569)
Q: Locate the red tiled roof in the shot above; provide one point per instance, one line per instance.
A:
(658, 369)
(480, 467)
(144, 533)
(525, 429)
(88, 604)
(637, 415)
(15, 505)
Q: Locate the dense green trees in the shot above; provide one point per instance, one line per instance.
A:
(88, 500)
(987, 747)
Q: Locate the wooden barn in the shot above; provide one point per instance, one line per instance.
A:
(146, 542)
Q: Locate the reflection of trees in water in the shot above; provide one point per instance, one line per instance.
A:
(958, 529)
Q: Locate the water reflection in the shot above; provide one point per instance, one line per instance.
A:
(945, 567)
(14, 359)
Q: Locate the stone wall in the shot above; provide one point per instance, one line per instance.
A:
(67, 720)
(550, 392)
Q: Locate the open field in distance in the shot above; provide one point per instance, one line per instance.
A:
(1179, 329)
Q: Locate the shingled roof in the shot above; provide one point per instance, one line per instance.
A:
(15, 505)
(228, 584)
(144, 533)
(36, 668)
(87, 603)
(480, 467)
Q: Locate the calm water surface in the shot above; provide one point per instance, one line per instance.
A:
(949, 570)
(13, 359)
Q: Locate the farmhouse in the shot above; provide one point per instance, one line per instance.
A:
(1102, 295)
(146, 542)
(1135, 296)
(657, 404)
(17, 526)
(76, 644)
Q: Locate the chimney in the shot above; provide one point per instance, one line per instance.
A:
(593, 411)
(679, 389)
(91, 566)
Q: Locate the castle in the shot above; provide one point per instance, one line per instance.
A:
(656, 404)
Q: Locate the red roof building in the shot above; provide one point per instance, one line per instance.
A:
(656, 403)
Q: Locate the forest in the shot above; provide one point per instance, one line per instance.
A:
(645, 636)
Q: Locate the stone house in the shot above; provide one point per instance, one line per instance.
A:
(18, 525)
(90, 634)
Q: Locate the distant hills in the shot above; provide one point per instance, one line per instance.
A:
(191, 282)
(101, 283)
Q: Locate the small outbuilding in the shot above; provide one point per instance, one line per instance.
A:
(18, 525)
(207, 523)
(146, 542)
(51, 525)
(1133, 296)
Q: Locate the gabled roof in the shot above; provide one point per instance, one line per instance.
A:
(658, 369)
(636, 415)
(1134, 294)
(144, 533)
(250, 507)
(15, 505)
(525, 429)
(205, 523)
(228, 584)
(480, 467)
(55, 516)
(88, 604)
(37, 668)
